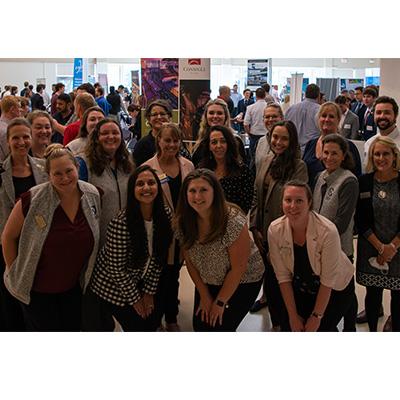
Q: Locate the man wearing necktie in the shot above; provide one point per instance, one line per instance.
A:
(368, 127)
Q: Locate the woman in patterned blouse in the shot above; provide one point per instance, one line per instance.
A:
(221, 156)
(128, 268)
(222, 261)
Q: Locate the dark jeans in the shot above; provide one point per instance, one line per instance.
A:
(53, 312)
(169, 289)
(338, 305)
(373, 302)
(239, 305)
(96, 312)
(11, 318)
(253, 139)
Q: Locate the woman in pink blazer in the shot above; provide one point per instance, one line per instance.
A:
(171, 169)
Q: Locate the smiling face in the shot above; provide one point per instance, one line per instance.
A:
(384, 116)
(332, 156)
(215, 115)
(200, 195)
(158, 117)
(271, 116)
(63, 174)
(280, 140)
(93, 118)
(19, 140)
(169, 143)
(383, 158)
(146, 188)
(110, 138)
(329, 121)
(41, 131)
(296, 204)
(218, 145)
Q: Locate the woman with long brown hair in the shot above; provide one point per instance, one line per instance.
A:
(222, 260)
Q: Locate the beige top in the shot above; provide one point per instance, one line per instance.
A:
(327, 259)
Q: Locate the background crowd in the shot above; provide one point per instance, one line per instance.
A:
(97, 218)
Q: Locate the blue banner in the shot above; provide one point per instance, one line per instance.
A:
(78, 72)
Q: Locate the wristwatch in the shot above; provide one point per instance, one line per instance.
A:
(317, 315)
(220, 303)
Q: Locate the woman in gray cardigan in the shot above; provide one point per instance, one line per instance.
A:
(19, 172)
(50, 244)
(335, 197)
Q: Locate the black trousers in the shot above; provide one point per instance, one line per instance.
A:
(96, 312)
(373, 302)
(273, 295)
(349, 319)
(239, 305)
(11, 318)
(338, 306)
(169, 289)
(49, 312)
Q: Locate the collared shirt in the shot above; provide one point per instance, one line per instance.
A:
(342, 118)
(304, 116)
(236, 97)
(255, 118)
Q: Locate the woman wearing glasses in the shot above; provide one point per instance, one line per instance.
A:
(158, 112)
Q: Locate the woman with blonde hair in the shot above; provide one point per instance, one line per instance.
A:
(378, 223)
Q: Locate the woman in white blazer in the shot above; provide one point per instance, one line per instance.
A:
(315, 276)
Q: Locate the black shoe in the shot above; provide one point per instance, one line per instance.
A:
(362, 316)
(257, 306)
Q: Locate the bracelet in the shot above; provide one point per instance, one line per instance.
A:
(381, 250)
(317, 315)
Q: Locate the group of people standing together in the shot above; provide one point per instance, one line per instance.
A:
(91, 234)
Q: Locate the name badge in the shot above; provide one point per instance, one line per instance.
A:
(365, 195)
(347, 126)
(40, 222)
(370, 128)
(163, 178)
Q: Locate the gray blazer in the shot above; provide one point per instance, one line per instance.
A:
(351, 125)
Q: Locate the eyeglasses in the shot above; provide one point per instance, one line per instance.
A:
(160, 114)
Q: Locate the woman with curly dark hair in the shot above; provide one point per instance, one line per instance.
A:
(128, 268)
(220, 154)
(280, 165)
(107, 165)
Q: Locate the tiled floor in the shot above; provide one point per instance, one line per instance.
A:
(258, 322)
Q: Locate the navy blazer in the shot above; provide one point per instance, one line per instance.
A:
(242, 107)
(368, 128)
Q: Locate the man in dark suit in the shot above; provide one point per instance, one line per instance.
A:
(358, 107)
(368, 125)
(37, 101)
(349, 122)
(242, 106)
